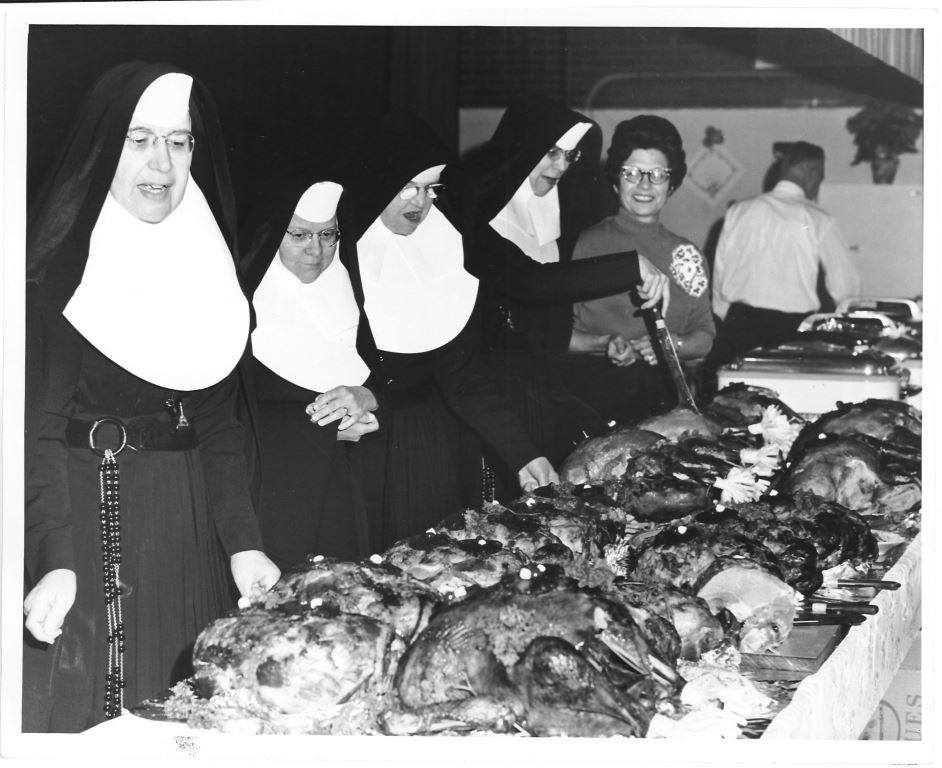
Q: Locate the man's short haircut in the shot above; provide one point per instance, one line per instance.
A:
(799, 152)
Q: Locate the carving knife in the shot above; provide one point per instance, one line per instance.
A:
(666, 342)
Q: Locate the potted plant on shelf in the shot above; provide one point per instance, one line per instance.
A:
(882, 132)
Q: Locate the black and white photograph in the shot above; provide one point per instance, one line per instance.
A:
(411, 385)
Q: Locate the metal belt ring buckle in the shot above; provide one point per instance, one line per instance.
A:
(107, 420)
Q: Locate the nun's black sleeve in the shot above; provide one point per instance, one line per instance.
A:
(470, 389)
(510, 272)
(48, 505)
(50, 372)
(226, 468)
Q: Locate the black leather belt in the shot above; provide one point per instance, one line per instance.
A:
(141, 434)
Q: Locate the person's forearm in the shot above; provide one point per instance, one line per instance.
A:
(693, 345)
(585, 343)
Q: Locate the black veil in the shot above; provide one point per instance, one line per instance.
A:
(397, 147)
(527, 129)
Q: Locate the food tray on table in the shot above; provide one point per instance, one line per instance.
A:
(807, 647)
(801, 654)
(813, 381)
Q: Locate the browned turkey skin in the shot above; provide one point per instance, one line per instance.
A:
(685, 556)
(806, 533)
(854, 472)
(602, 458)
(679, 421)
(541, 654)
(738, 405)
(892, 421)
(379, 591)
(450, 564)
(697, 630)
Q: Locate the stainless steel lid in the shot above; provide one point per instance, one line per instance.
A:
(865, 363)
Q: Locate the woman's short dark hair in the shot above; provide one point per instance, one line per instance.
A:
(647, 132)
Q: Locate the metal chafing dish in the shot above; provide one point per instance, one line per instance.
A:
(812, 380)
(903, 310)
(890, 326)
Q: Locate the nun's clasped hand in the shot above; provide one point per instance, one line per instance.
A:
(366, 424)
(47, 604)
(253, 573)
(536, 474)
(346, 404)
(654, 285)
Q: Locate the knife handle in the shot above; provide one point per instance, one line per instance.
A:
(837, 606)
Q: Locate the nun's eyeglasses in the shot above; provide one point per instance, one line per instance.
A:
(326, 237)
(178, 143)
(655, 175)
(411, 190)
(571, 155)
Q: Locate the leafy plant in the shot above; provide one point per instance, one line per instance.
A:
(893, 127)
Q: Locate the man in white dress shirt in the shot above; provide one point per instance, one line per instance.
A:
(767, 260)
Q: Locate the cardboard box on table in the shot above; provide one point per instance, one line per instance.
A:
(899, 716)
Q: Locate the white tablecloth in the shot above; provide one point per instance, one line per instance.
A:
(838, 700)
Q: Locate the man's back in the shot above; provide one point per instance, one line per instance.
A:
(770, 250)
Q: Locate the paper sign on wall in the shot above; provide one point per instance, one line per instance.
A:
(712, 173)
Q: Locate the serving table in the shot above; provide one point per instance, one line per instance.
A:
(837, 701)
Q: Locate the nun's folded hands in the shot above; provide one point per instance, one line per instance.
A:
(344, 404)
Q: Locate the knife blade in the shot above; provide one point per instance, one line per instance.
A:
(838, 606)
(666, 342)
(830, 620)
(851, 583)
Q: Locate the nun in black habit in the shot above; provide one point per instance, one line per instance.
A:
(138, 498)
(421, 306)
(533, 188)
(316, 396)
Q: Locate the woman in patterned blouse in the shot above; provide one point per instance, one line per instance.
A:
(620, 374)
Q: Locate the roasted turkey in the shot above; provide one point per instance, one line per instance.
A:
(585, 523)
(679, 421)
(893, 421)
(853, 471)
(738, 405)
(525, 533)
(728, 570)
(377, 590)
(295, 672)
(452, 566)
(602, 458)
(697, 629)
(319, 653)
(538, 654)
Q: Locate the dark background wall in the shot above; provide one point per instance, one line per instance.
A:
(278, 87)
(273, 86)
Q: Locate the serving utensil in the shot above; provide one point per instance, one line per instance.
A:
(666, 342)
